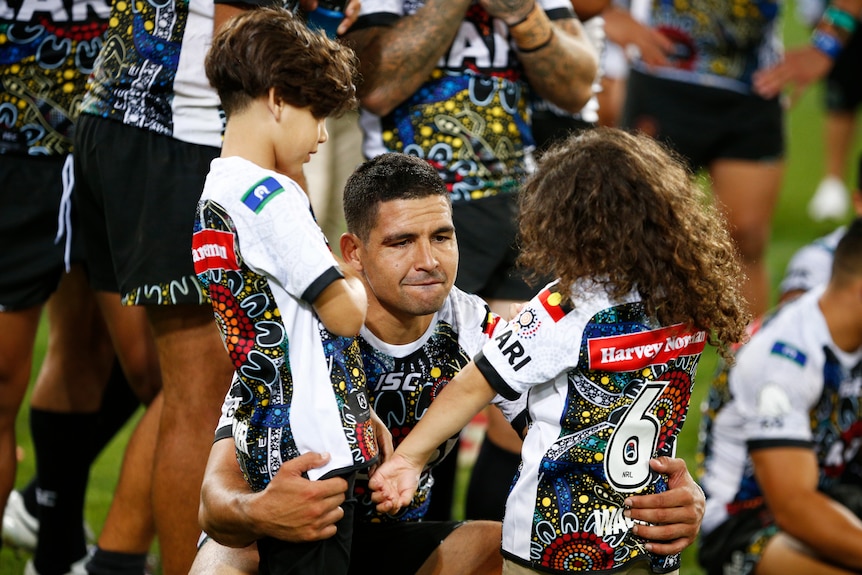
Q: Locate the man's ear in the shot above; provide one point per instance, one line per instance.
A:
(350, 247)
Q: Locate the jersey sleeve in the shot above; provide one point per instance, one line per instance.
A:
(775, 392)
(809, 267)
(279, 238)
(533, 348)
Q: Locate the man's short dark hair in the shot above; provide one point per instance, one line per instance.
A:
(848, 254)
(387, 177)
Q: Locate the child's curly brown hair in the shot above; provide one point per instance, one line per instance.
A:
(621, 209)
(265, 48)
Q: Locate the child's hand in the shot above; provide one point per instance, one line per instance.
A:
(394, 483)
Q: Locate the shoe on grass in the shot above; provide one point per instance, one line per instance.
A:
(20, 529)
(830, 202)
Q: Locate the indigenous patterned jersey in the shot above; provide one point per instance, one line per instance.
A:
(608, 388)
(717, 44)
(150, 73)
(403, 380)
(791, 386)
(470, 118)
(263, 260)
(812, 264)
(47, 50)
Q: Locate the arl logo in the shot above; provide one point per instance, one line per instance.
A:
(261, 193)
(637, 350)
(213, 250)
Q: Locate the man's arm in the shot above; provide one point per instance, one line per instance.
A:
(291, 508)
(788, 477)
(802, 66)
(396, 60)
(558, 59)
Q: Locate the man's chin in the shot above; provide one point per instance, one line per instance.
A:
(424, 300)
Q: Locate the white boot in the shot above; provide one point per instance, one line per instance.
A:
(831, 200)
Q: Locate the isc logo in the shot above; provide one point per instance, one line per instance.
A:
(398, 380)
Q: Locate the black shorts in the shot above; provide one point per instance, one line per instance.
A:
(324, 557)
(33, 258)
(487, 232)
(490, 482)
(703, 123)
(549, 127)
(737, 544)
(843, 91)
(398, 548)
(136, 193)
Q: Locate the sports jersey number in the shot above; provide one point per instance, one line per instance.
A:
(633, 442)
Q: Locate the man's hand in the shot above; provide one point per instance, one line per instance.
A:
(394, 483)
(652, 46)
(509, 11)
(799, 69)
(674, 515)
(351, 13)
(292, 507)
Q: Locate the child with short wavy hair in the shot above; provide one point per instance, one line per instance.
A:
(287, 313)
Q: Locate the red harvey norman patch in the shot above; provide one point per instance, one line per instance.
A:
(213, 249)
(638, 350)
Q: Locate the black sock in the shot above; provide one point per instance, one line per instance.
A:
(112, 563)
(63, 468)
(119, 403)
(29, 495)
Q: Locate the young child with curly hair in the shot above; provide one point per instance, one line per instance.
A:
(604, 357)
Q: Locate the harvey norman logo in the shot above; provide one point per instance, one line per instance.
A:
(213, 249)
(638, 350)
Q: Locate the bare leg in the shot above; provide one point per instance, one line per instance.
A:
(17, 333)
(786, 556)
(216, 559)
(129, 526)
(67, 395)
(79, 355)
(473, 548)
(196, 373)
(134, 344)
(747, 193)
(837, 140)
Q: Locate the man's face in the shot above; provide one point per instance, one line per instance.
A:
(411, 257)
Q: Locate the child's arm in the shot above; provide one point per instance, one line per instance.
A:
(342, 305)
(394, 483)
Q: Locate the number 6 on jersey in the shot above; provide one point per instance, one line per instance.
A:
(633, 442)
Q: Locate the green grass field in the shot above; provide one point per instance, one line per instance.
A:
(792, 229)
